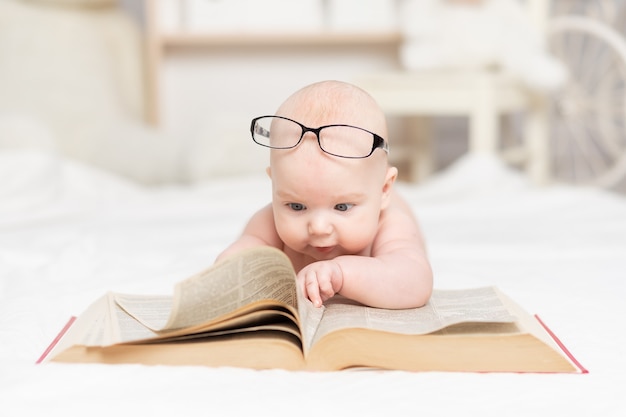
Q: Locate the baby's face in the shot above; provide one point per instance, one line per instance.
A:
(326, 206)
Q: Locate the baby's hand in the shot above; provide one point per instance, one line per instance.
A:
(321, 280)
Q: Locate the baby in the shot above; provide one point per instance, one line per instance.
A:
(334, 211)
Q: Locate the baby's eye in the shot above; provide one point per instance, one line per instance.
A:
(296, 206)
(344, 206)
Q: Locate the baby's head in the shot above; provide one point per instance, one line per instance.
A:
(325, 205)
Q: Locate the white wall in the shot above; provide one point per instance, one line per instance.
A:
(209, 95)
(66, 83)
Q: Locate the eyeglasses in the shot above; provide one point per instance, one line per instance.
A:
(340, 140)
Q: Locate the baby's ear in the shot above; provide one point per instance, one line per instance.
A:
(268, 171)
(390, 178)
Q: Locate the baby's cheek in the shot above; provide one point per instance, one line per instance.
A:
(359, 240)
(289, 232)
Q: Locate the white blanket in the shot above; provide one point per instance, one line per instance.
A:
(69, 233)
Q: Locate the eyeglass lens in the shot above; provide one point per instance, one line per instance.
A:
(344, 141)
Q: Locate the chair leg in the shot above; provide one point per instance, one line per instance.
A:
(484, 124)
(422, 158)
(537, 141)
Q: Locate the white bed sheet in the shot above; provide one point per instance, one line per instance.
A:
(69, 233)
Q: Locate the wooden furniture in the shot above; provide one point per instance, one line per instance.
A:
(158, 42)
(483, 95)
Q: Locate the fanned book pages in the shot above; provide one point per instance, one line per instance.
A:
(247, 311)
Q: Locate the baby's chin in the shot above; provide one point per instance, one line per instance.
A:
(326, 253)
(320, 253)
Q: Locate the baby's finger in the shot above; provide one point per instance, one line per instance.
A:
(312, 289)
(326, 289)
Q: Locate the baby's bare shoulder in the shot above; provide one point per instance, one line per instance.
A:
(262, 226)
(398, 210)
(398, 226)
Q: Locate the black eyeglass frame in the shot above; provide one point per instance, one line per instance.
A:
(378, 141)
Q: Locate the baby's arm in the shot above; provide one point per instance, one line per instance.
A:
(260, 231)
(396, 275)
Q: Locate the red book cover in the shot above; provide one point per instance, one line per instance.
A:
(56, 339)
(565, 350)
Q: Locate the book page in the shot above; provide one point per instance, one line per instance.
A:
(445, 308)
(154, 309)
(310, 318)
(92, 328)
(103, 323)
(251, 276)
(528, 322)
(262, 273)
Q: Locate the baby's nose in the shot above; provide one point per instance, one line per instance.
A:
(319, 225)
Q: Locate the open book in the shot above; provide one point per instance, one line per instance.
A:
(247, 311)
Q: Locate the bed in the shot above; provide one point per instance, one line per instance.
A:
(69, 233)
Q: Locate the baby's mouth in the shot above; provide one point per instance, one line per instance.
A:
(324, 249)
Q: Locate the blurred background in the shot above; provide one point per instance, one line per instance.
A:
(163, 91)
